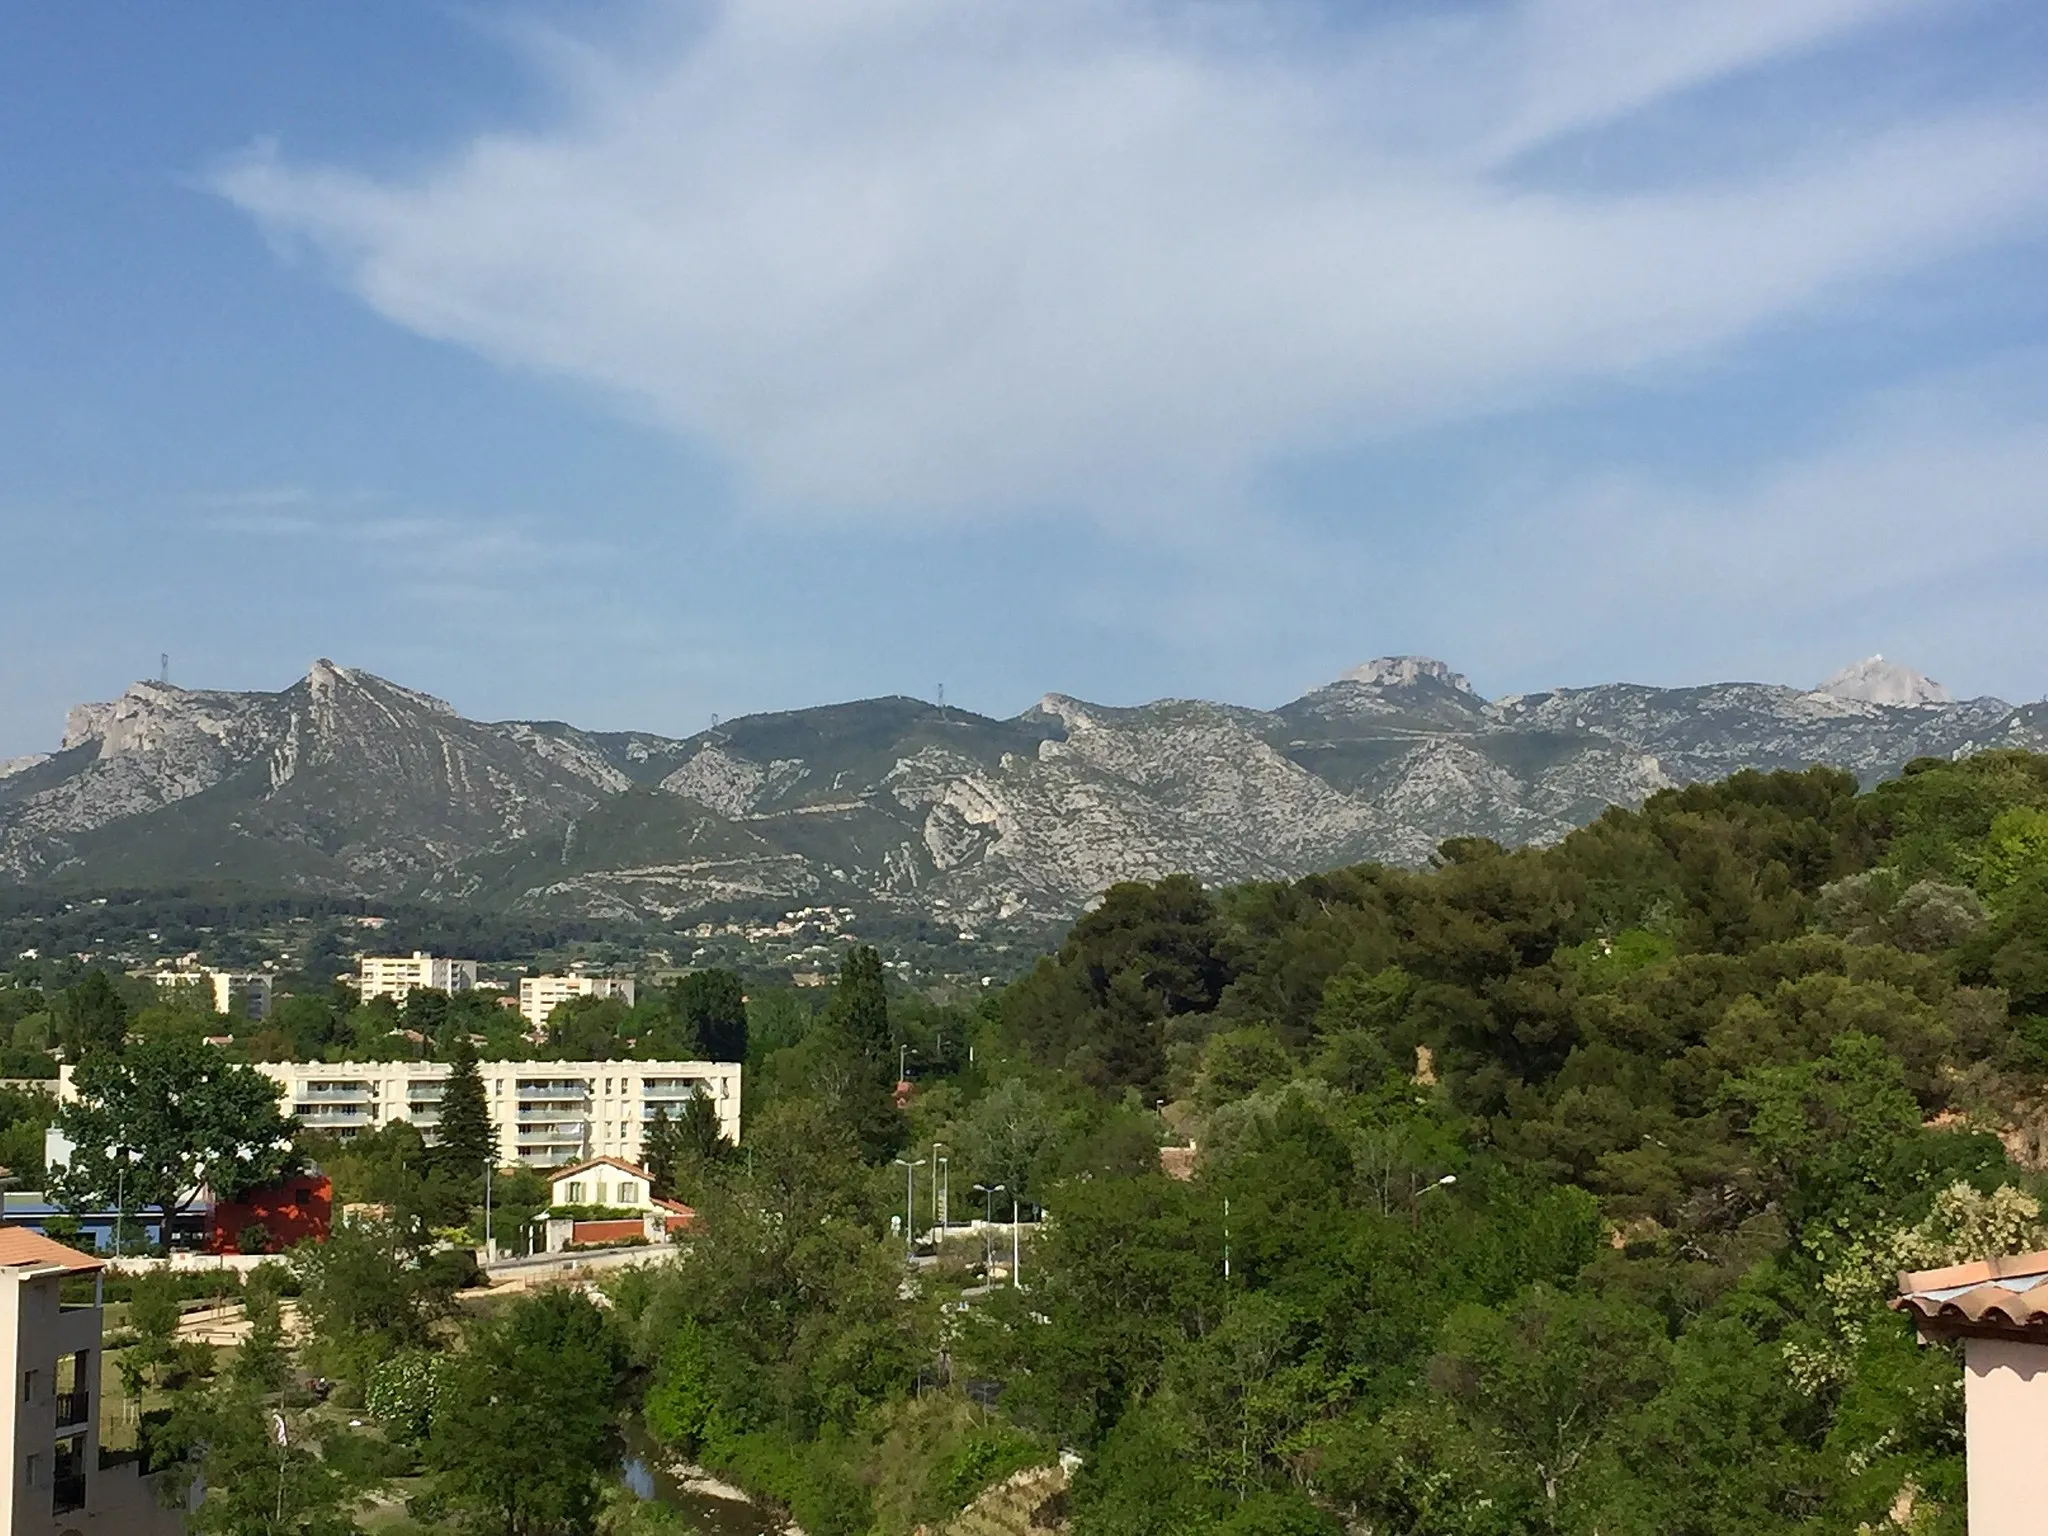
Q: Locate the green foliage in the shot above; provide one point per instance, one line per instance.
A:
(368, 1290)
(405, 1389)
(155, 1125)
(465, 1143)
(710, 1012)
(523, 1432)
(90, 1018)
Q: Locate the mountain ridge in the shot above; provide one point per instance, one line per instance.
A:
(347, 781)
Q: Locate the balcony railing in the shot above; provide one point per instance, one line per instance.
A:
(73, 1407)
(67, 1492)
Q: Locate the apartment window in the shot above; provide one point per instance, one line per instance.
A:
(28, 1386)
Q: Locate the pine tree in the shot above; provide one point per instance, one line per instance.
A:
(465, 1141)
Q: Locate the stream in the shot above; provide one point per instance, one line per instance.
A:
(646, 1471)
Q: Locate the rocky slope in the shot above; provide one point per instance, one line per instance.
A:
(345, 781)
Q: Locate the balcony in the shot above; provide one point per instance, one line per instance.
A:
(337, 1093)
(73, 1407)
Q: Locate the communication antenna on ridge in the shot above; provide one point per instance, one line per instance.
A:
(163, 667)
(942, 701)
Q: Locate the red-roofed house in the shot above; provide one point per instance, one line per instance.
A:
(1999, 1309)
(613, 1183)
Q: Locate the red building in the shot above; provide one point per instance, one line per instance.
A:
(289, 1211)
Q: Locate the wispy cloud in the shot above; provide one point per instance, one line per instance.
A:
(888, 258)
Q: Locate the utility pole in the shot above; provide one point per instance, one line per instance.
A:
(1016, 1249)
(490, 1252)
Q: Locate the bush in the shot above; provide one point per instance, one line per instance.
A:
(253, 1238)
(361, 1458)
(404, 1390)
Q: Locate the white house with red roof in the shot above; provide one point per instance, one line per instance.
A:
(610, 1184)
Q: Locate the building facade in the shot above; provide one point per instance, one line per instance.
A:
(50, 1412)
(539, 996)
(546, 1113)
(245, 994)
(394, 976)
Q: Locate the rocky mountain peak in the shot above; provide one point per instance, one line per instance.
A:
(1874, 680)
(326, 682)
(1406, 672)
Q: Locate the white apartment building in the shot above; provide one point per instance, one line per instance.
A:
(394, 976)
(247, 993)
(547, 1113)
(50, 1409)
(539, 996)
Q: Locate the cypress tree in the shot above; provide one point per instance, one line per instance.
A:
(658, 1153)
(465, 1139)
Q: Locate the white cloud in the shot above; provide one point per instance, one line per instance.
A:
(903, 259)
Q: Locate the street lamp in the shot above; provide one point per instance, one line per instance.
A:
(121, 1201)
(1415, 1205)
(988, 1193)
(903, 1054)
(909, 1207)
(938, 1166)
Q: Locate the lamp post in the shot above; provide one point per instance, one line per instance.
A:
(1415, 1205)
(1016, 1250)
(988, 1193)
(490, 1251)
(121, 1201)
(909, 1205)
(938, 1165)
(903, 1053)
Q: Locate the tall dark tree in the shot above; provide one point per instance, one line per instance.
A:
(860, 1005)
(465, 1141)
(91, 1018)
(710, 1010)
(660, 1151)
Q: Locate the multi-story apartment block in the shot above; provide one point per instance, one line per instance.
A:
(395, 976)
(539, 996)
(56, 1483)
(546, 1113)
(246, 993)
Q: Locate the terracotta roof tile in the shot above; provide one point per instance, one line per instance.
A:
(2005, 1294)
(23, 1248)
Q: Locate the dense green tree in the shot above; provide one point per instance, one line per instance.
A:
(710, 1012)
(525, 1434)
(164, 1121)
(90, 1018)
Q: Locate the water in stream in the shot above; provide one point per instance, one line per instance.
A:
(646, 1472)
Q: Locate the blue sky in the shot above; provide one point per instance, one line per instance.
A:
(630, 363)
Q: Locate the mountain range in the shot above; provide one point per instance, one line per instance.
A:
(345, 782)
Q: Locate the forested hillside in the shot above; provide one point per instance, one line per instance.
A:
(1561, 1189)
(1549, 1191)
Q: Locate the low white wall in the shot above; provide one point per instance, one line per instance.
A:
(143, 1264)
